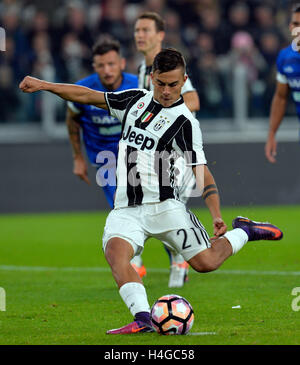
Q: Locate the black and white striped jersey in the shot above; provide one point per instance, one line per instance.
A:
(146, 83)
(152, 138)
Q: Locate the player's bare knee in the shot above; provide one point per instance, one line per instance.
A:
(111, 252)
(203, 266)
(118, 251)
(207, 267)
(110, 255)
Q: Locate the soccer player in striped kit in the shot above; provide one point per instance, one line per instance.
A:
(147, 203)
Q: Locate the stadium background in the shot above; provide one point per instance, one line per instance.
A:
(231, 49)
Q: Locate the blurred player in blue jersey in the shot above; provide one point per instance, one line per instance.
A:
(101, 132)
(288, 80)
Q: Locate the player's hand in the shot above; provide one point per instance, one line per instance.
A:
(271, 149)
(220, 227)
(31, 84)
(80, 169)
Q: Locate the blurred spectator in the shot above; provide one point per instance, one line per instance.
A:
(208, 80)
(76, 57)
(189, 34)
(76, 23)
(7, 5)
(186, 10)
(211, 22)
(72, 40)
(9, 100)
(39, 23)
(264, 20)
(131, 13)
(244, 54)
(205, 43)
(20, 48)
(42, 67)
(200, 6)
(9, 93)
(269, 45)
(113, 21)
(157, 6)
(173, 33)
(239, 18)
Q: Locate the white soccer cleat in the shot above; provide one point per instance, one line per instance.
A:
(178, 274)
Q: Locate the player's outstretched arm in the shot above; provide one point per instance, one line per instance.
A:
(76, 93)
(211, 197)
(278, 108)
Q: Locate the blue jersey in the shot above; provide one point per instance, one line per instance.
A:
(100, 130)
(288, 67)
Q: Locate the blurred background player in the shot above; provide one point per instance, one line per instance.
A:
(288, 71)
(149, 34)
(101, 132)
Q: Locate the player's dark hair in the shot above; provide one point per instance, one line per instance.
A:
(105, 45)
(159, 22)
(168, 59)
(296, 8)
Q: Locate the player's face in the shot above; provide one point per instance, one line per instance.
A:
(167, 86)
(146, 36)
(109, 67)
(295, 22)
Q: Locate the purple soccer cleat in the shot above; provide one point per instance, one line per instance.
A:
(133, 327)
(258, 230)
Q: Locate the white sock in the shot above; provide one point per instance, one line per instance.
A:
(135, 297)
(177, 258)
(237, 238)
(137, 260)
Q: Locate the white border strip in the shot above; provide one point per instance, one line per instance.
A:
(156, 270)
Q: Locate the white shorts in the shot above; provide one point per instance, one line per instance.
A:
(168, 221)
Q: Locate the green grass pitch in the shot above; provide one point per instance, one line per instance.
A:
(59, 289)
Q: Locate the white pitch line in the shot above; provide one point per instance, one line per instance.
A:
(49, 268)
(156, 270)
(201, 333)
(257, 272)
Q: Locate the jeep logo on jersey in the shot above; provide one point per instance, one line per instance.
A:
(138, 139)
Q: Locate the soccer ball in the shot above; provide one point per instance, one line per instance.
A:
(172, 315)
